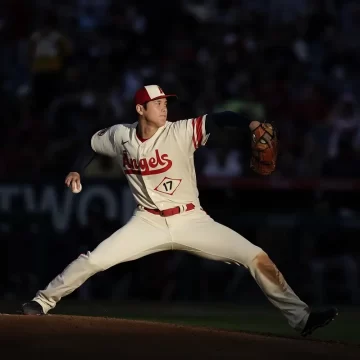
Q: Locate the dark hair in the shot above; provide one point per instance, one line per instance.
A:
(145, 106)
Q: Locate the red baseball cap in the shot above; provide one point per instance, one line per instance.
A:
(150, 92)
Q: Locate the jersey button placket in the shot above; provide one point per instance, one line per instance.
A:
(146, 180)
(140, 152)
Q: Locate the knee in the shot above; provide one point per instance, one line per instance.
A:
(261, 260)
(263, 267)
(92, 262)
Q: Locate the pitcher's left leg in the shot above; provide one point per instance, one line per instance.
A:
(200, 235)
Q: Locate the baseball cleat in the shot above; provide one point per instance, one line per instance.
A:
(32, 308)
(319, 318)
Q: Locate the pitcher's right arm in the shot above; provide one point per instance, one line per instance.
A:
(103, 142)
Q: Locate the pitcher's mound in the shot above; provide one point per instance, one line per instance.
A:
(76, 337)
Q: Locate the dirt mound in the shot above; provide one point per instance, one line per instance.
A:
(77, 337)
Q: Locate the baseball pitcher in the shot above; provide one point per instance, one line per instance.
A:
(157, 158)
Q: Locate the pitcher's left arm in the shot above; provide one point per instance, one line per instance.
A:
(264, 140)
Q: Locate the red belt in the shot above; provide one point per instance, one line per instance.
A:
(170, 212)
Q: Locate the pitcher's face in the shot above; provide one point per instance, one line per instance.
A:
(155, 112)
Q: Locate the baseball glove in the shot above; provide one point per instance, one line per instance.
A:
(264, 146)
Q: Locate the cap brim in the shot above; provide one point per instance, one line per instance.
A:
(172, 97)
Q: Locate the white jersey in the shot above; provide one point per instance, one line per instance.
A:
(160, 170)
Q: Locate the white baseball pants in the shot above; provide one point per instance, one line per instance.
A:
(193, 231)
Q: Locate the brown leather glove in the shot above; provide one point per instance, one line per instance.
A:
(264, 148)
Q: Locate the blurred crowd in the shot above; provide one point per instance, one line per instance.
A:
(71, 67)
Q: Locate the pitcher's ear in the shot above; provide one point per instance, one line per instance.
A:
(139, 109)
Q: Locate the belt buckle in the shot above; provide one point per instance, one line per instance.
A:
(162, 213)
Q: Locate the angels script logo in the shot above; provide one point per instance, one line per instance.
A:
(155, 165)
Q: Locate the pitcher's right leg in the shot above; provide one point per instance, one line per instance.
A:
(196, 233)
(144, 234)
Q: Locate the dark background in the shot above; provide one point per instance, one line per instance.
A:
(294, 63)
